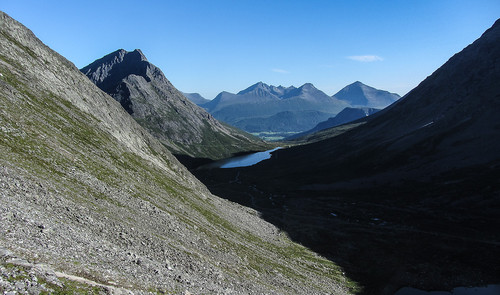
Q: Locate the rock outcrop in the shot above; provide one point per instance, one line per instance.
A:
(89, 193)
(146, 94)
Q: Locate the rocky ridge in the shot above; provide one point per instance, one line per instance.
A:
(146, 94)
(90, 193)
(261, 101)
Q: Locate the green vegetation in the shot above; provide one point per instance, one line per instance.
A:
(18, 44)
(274, 136)
(85, 165)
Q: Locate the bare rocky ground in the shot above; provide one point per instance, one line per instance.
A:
(91, 202)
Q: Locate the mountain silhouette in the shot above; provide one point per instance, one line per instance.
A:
(144, 91)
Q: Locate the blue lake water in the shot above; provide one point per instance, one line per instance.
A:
(484, 290)
(242, 161)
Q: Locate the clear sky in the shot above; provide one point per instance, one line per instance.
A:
(211, 46)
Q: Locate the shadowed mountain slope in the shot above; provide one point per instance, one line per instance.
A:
(448, 121)
(144, 91)
(409, 196)
(345, 116)
(89, 195)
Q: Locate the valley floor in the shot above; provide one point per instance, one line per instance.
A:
(385, 237)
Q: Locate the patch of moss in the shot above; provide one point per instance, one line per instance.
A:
(18, 44)
(71, 287)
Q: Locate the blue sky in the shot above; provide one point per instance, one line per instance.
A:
(211, 46)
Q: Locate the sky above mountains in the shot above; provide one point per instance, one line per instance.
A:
(211, 46)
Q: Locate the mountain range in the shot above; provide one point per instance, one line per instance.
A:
(268, 108)
(406, 197)
(92, 203)
(147, 95)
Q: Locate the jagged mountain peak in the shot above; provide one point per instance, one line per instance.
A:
(305, 90)
(259, 86)
(107, 71)
(89, 193)
(145, 93)
(308, 86)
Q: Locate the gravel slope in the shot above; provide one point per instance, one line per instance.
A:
(88, 192)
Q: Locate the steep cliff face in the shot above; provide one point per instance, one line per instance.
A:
(87, 192)
(145, 93)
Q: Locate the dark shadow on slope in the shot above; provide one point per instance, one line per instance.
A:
(192, 163)
(384, 236)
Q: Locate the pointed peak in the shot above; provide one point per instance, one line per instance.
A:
(307, 85)
(138, 53)
(357, 83)
(259, 85)
(121, 54)
(120, 51)
(118, 54)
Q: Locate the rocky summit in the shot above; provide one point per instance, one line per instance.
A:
(145, 93)
(93, 203)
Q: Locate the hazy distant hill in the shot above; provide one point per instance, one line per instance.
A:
(283, 121)
(358, 94)
(91, 203)
(447, 123)
(256, 108)
(261, 99)
(146, 94)
(345, 116)
(196, 98)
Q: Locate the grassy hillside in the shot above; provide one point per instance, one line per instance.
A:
(87, 193)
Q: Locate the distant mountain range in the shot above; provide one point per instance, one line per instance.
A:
(268, 108)
(410, 196)
(146, 94)
(92, 203)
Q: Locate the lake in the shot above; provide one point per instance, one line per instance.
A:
(242, 161)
